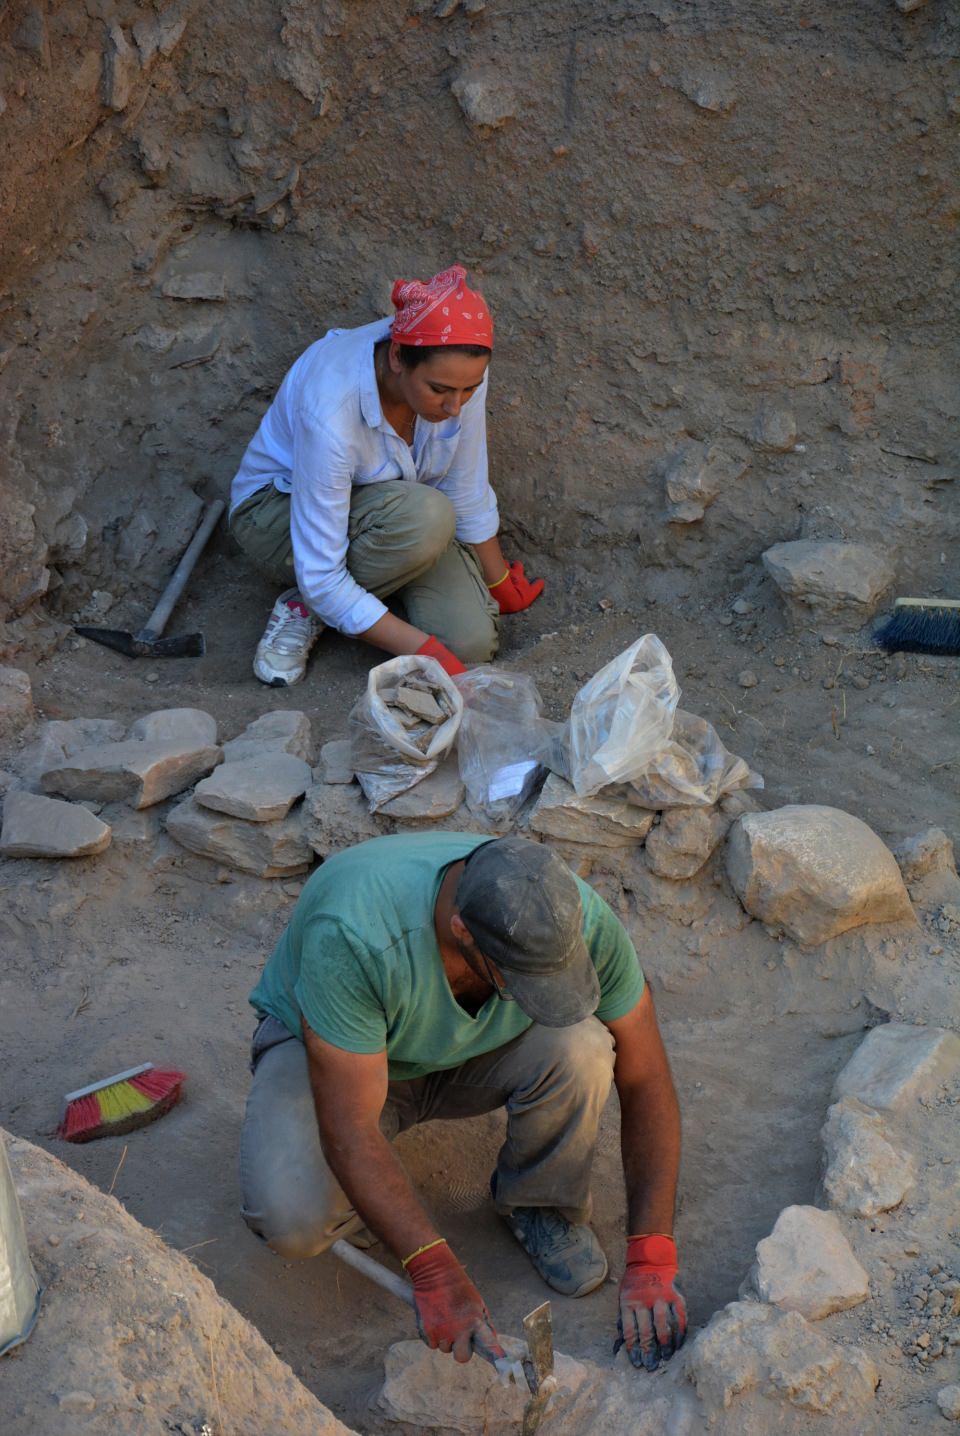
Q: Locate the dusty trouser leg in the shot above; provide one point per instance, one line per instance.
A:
(554, 1082)
(289, 1196)
(452, 600)
(261, 526)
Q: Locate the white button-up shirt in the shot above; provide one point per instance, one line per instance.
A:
(324, 432)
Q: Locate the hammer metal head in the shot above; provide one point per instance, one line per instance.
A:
(133, 645)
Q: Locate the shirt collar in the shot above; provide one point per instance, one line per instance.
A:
(369, 394)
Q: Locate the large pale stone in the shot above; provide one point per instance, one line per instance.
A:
(271, 850)
(864, 1175)
(806, 1264)
(928, 852)
(16, 701)
(35, 827)
(138, 773)
(180, 725)
(683, 840)
(335, 765)
(284, 730)
(814, 871)
(752, 1347)
(606, 822)
(72, 735)
(259, 789)
(436, 796)
(897, 1064)
(836, 582)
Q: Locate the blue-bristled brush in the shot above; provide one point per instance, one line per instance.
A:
(922, 625)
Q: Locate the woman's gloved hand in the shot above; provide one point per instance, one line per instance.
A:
(514, 592)
(448, 661)
(653, 1314)
(451, 1316)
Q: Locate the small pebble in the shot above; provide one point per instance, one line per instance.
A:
(747, 679)
(829, 683)
(741, 606)
(860, 682)
(725, 620)
(53, 1240)
(151, 677)
(830, 639)
(870, 750)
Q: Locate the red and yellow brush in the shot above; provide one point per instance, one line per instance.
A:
(119, 1104)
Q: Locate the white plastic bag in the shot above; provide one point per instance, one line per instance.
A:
(19, 1289)
(501, 738)
(383, 756)
(693, 769)
(621, 717)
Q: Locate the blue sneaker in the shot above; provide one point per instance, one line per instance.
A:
(568, 1257)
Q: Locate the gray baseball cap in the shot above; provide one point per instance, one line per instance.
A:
(522, 907)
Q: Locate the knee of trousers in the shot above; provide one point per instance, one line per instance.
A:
(293, 1235)
(431, 518)
(474, 637)
(583, 1054)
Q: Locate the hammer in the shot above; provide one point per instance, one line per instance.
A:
(148, 643)
(535, 1369)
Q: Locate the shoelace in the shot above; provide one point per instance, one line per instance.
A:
(548, 1230)
(288, 631)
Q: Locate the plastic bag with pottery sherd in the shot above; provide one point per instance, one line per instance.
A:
(391, 747)
(621, 718)
(693, 769)
(501, 741)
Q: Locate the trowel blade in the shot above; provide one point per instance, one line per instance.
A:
(538, 1329)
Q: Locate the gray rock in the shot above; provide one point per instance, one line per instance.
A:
(606, 822)
(35, 827)
(134, 831)
(140, 774)
(121, 65)
(180, 725)
(928, 852)
(683, 840)
(897, 1064)
(335, 766)
(814, 871)
(709, 90)
(829, 582)
(747, 679)
(752, 1347)
(864, 1175)
(694, 476)
(337, 816)
(436, 796)
(284, 730)
(16, 702)
(774, 430)
(259, 789)
(907, 7)
(948, 1397)
(485, 98)
(72, 735)
(208, 285)
(806, 1264)
(271, 850)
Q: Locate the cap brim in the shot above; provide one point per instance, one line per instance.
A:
(556, 999)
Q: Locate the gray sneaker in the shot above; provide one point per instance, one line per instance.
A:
(568, 1257)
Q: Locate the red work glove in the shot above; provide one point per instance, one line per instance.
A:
(451, 1315)
(433, 648)
(653, 1314)
(514, 591)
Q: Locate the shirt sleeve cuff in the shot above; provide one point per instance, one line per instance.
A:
(478, 530)
(359, 616)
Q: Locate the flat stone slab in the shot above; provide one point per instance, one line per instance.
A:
(683, 840)
(751, 1347)
(16, 701)
(36, 827)
(72, 735)
(436, 796)
(259, 789)
(897, 1064)
(270, 850)
(604, 822)
(839, 582)
(864, 1174)
(807, 1265)
(284, 730)
(814, 872)
(140, 774)
(335, 764)
(177, 725)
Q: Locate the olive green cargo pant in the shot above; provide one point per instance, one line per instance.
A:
(401, 542)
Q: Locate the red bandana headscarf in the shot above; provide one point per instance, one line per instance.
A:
(441, 311)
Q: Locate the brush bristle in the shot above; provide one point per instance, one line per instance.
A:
(122, 1107)
(921, 630)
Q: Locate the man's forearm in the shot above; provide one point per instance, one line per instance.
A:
(367, 1169)
(650, 1146)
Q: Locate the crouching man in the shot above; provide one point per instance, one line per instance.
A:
(445, 975)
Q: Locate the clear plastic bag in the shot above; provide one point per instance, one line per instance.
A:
(501, 741)
(384, 756)
(20, 1290)
(693, 769)
(622, 717)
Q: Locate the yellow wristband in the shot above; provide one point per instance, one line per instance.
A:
(492, 586)
(637, 1235)
(440, 1241)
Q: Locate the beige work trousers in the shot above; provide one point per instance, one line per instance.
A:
(401, 542)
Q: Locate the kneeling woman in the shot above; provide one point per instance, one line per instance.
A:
(368, 478)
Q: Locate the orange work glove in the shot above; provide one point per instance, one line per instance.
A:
(653, 1314)
(514, 592)
(451, 1316)
(433, 648)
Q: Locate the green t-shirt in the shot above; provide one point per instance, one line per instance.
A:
(360, 960)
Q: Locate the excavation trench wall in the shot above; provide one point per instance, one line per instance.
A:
(726, 223)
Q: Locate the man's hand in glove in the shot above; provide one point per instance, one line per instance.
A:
(448, 661)
(451, 1316)
(653, 1314)
(514, 592)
